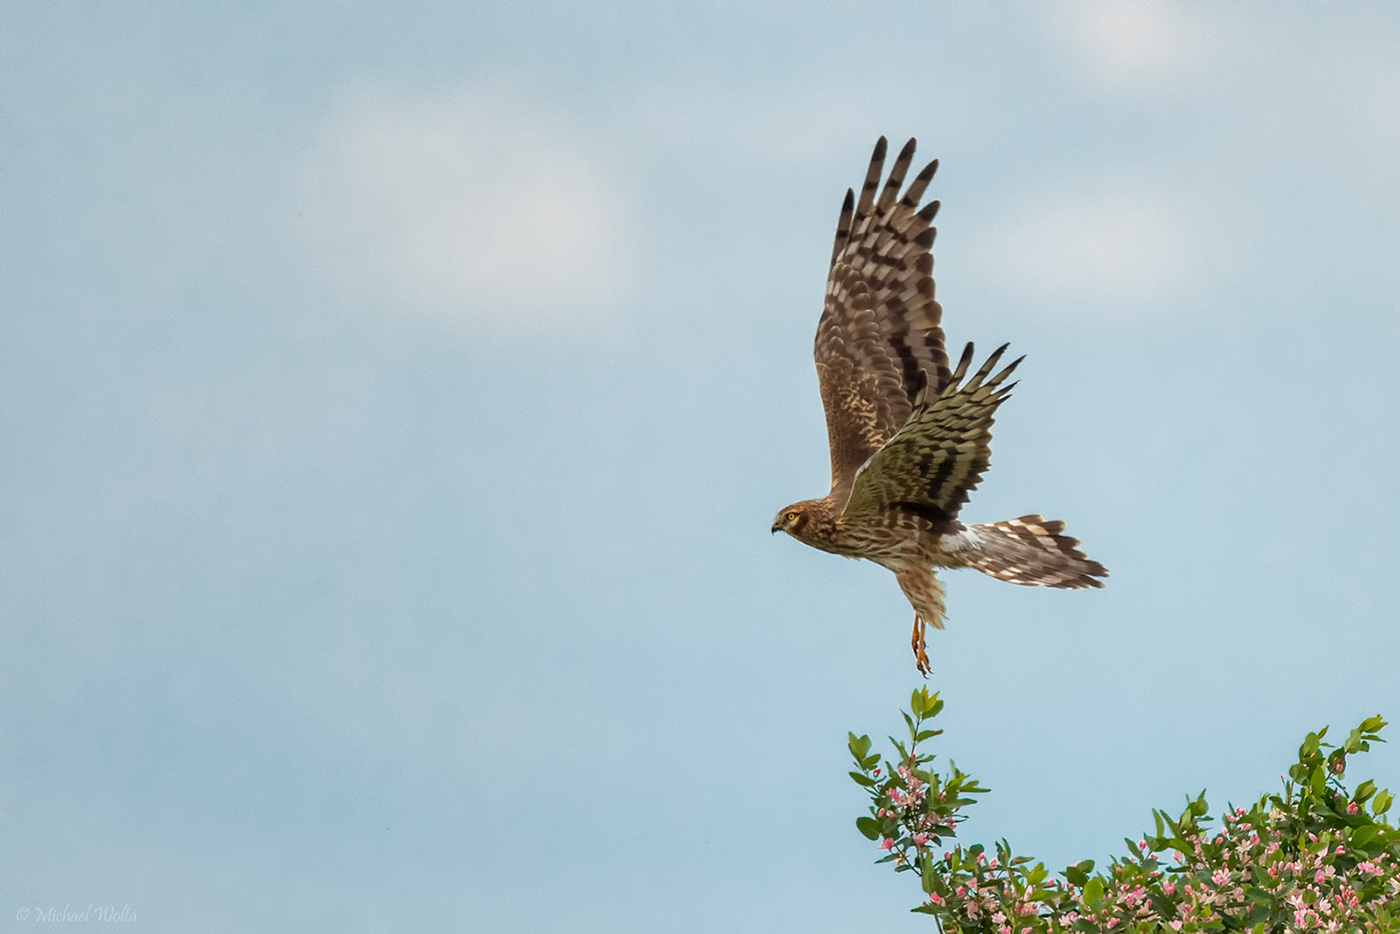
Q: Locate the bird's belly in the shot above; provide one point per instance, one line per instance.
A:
(916, 551)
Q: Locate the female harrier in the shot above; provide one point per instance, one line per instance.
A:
(910, 439)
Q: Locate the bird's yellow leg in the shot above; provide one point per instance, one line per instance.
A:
(916, 642)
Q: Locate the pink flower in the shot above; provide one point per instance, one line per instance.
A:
(1352, 808)
(962, 890)
(886, 843)
(935, 898)
(1221, 877)
(1169, 888)
(920, 838)
(1175, 925)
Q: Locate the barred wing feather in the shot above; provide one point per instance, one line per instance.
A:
(879, 340)
(938, 457)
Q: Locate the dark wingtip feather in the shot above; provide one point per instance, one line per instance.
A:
(843, 224)
(872, 179)
(1009, 367)
(896, 179)
(964, 362)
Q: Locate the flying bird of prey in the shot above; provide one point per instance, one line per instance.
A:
(909, 437)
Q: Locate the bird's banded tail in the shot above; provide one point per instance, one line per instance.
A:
(1031, 551)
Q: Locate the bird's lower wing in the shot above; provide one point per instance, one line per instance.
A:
(937, 458)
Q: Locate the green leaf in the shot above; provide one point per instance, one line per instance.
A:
(1381, 803)
(859, 745)
(1364, 835)
(869, 827)
(1364, 790)
(860, 779)
(1093, 892)
(1256, 894)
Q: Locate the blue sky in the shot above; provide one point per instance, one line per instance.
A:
(394, 400)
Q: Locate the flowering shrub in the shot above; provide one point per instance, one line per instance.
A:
(1313, 858)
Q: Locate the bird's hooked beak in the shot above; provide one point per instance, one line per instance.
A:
(777, 524)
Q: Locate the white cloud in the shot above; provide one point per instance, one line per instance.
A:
(1099, 251)
(1132, 44)
(468, 206)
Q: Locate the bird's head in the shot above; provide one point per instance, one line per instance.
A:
(790, 519)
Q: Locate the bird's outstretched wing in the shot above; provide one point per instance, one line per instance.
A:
(879, 340)
(938, 456)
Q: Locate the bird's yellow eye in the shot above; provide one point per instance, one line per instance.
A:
(790, 517)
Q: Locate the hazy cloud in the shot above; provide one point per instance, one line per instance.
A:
(1094, 250)
(1135, 44)
(465, 205)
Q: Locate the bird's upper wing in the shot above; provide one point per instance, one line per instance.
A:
(938, 456)
(879, 339)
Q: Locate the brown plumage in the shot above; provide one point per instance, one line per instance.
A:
(909, 438)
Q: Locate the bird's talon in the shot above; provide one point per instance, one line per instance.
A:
(916, 642)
